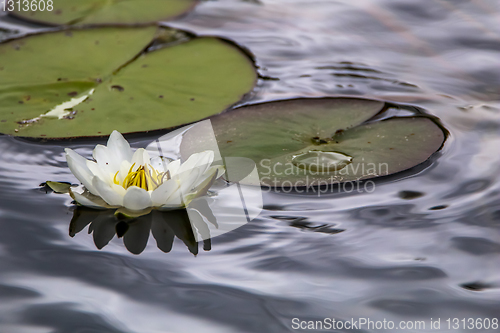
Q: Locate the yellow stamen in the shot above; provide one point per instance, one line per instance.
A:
(116, 180)
(145, 177)
(148, 178)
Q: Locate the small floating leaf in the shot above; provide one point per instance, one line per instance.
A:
(105, 12)
(59, 187)
(311, 142)
(90, 82)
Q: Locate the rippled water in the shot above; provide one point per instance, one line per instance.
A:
(423, 245)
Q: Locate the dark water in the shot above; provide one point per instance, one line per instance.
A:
(423, 245)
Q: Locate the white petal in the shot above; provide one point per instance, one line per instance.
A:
(124, 168)
(160, 164)
(209, 172)
(119, 147)
(200, 162)
(97, 171)
(206, 159)
(204, 163)
(202, 187)
(105, 160)
(113, 195)
(191, 162)
(77, 165)
(160, 195)
(174, 200)
(173, 167)
(136, 198)
(217, 170)
(75, 156)
(188, 179)
(140, 157)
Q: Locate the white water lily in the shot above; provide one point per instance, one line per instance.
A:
(133, 182)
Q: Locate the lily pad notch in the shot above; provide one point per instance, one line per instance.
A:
(308, 142)
(110, 80)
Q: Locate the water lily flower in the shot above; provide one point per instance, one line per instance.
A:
(135, 183)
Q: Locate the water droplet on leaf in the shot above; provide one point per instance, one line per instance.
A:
(320, 161)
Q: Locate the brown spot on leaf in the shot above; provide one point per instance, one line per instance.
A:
(117, 87)
(161, 96)
(73, 93)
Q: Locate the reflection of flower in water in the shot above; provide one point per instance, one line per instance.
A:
(166, 186)
(135, 183)
(164, 225)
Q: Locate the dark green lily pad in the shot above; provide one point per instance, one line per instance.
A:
(311, 142)
(104, 12)
(108, 82)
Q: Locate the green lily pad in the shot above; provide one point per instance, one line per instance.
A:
(311, 142)
(103, 12)
(90, 82)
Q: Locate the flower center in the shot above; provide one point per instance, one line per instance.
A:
(144, 177)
